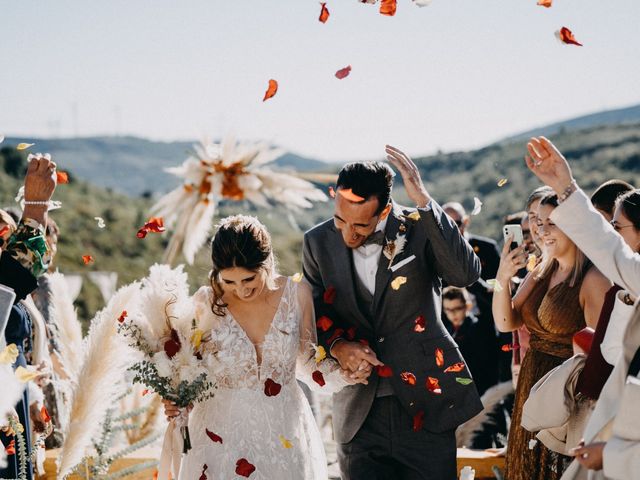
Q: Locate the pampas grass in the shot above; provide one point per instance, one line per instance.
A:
(64, 315)
(106, 356)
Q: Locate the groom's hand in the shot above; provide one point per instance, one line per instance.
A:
(351, 355)
(416, 190)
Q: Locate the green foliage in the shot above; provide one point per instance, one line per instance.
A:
(13, 162)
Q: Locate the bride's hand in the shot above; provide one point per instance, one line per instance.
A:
(359, 376)
(171, 410)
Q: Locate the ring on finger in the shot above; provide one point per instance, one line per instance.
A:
(585, 455)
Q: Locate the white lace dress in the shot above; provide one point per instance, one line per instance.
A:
(242, 426)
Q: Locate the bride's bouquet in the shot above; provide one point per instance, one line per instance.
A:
(164, 332)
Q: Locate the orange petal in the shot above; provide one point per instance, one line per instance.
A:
(343, 72)
(271, 90)
(87, 259)
(566, 36)
(388, 7)
(456, 367)
(324, 323)
(433, 385)
(46, 418)
(324, 13)
(4, 230)
(384, 371)
(439, 357)
(408, 378)
(11, 448)
(62, 178)
(545, 3)
(329, 295)
(349, 195)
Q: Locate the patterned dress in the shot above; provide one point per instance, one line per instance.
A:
(259, 417)
(552, 316)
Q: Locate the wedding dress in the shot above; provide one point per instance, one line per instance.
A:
(259, 417)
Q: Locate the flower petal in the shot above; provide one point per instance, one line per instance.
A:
(24, 146)
(418, 421)
(439, 357)
(271, 90)
(214, 438)
(87, 259)
(244, 468)
(388, 7)
(419, 326)
(10, 354)
(502, 182)
(324, 323)
(408, 378)
(271, 388)
(285, 443)
(324, 13)
(456, 367)
(329, 295)
(566, 36)
(398, 282)
(384, 371)
(25, 375)
(464, 381)
(318, 378)
(433, 385)
(342, 73)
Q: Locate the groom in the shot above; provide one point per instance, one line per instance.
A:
(376, 270)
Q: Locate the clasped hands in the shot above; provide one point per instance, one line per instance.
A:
(356, 360)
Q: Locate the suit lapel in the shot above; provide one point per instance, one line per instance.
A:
(395, 223)
(345, 286)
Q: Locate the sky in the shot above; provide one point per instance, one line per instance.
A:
(456, 75)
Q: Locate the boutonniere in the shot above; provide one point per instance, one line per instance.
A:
(393, 248)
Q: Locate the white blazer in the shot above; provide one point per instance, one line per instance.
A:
(616, 418)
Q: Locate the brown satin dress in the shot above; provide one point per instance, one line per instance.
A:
(552, 316)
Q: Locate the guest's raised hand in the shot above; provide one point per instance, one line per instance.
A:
(350, 355)
(548, 164)
(510, 262)
(40, 181)
(416, 190)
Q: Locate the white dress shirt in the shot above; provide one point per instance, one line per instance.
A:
(366, 258)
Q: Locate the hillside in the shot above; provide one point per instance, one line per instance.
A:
(132, 165)
(596, 154)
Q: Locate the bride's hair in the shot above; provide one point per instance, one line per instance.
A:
(240, 241)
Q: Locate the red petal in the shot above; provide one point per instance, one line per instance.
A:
(171, 347)
(46, 418)
(244, 468)
(11, 448)
(155, 225)
(204, 475)
(343, 72)
(122, 316)
(213, 436)
(324, 13)
(271, 388)
(439, 357)
(566, 36)
(62, 178)
(329, 295)
(351, 333)
(433, 385)
(384, 371)
(419, 324)
(408, 378)
(507, 347)
(142, 233)
(456, 367)
(324, 323)
(388, 7)
(271, 90)
(4, 230)
(318, 378)
(418, 420)
(87, 259)
(336, 334)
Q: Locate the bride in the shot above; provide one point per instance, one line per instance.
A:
(259, 423)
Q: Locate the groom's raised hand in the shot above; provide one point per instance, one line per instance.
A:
(354, 355)
(416, 190)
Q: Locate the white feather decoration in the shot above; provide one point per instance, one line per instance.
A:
(225, 171)
(99, 380)
(62, 312)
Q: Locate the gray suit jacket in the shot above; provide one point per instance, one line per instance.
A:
(440, 253)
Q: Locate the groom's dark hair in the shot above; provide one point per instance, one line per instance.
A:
(368, 179)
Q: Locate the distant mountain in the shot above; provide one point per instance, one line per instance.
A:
(133, 165)
(608, 117)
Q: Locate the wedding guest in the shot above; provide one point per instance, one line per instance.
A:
(556, 300)
(477, 343)
(611, 448)
(24, 257)
(7, 227)
(604, 197)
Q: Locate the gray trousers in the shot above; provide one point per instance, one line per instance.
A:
(387, 448)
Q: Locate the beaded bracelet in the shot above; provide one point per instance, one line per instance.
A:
(572, 187)
(34, 202)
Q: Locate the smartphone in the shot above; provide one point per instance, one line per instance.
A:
(514, 231)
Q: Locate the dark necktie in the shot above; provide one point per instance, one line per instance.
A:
(376, 238)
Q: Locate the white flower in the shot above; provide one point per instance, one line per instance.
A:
(532, 443)
(163, 364)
